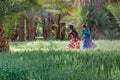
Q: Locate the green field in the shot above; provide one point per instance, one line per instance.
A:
(52, 60)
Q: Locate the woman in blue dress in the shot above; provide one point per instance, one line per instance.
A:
(87, 42)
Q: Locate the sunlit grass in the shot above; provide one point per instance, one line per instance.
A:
(60, 45)
(52, 60)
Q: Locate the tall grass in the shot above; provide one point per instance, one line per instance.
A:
(51, 60)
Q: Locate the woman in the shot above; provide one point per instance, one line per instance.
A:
(87, 42)
(74, 42)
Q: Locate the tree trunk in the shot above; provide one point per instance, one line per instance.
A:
(31, 28)
(44, 27)
(63, 31)
(4, 43)
(96, 3)
(14, 36)
(47, 27)
(20, 27)
(49, 24)
(58, 36)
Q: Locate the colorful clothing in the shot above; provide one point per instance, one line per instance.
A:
(74, 42)
(87, 42)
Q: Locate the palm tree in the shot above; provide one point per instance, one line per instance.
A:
(50, 10)
(7, 7)
(32, 17)
(97, 15)
(3, 34)
(97, 3)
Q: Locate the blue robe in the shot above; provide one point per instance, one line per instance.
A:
(87, 42)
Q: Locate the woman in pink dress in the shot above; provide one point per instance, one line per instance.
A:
(74, 42)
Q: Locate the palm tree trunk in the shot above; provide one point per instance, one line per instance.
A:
(63, 31)
(44, 27)
(96, 3)
(14, 35)
(58, 36)
(31, 28)
(20, 27)
(4, 43)
(49, 24)
(47, 27)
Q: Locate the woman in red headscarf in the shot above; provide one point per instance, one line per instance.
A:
(74, 42)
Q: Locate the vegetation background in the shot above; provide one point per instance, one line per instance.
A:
(33, 40)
